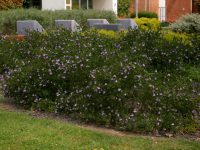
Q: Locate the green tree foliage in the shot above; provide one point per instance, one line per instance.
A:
(123, 7)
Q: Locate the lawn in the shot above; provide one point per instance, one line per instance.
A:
(21, 131)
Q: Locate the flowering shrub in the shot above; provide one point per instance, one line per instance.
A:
(137, 82)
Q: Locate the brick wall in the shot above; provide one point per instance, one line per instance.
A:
(174, 8)
(177, 8)
(145, 5)
(154, 6)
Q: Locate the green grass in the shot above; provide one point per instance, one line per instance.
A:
(1, 98)
(20, 131)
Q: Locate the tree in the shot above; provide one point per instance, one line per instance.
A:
(123, 7)
(10, 4)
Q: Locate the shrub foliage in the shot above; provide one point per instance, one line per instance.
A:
(137, 82)
(148, 23)
(189, 23)
(145, 14)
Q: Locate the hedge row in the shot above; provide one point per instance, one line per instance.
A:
(46, 18)
(138, 82)
(145, 14)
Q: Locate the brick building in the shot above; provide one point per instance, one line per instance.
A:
(167, 10)
(177, 8)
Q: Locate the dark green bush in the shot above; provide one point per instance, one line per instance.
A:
(145, 14)
(164, 24)
(46, 18)
(136, 82)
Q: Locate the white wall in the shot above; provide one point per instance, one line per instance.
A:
(162, 3)
(115, 6)
(105, 5)
(97, 4)
(53, 4)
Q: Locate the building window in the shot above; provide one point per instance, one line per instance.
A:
(32, 3)
(81, 4)
(196, 6)
(84, 4)
(75, 4)
(69, 4)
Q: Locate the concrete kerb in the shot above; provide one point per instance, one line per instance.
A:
(92, 22)
(26, 26)
(128, 23)
(71, 25)
(112, 27)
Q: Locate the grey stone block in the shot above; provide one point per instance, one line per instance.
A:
(113, 27)
(92, 22)
(71, 25)
(25, 26)
(128, 23)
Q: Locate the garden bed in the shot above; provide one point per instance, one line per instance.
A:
(139, 82)
(13, 37)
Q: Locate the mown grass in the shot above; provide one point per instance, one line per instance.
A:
(20, 131)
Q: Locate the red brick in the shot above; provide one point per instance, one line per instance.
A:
(174, 8)
(177, 8)
(151, 5)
